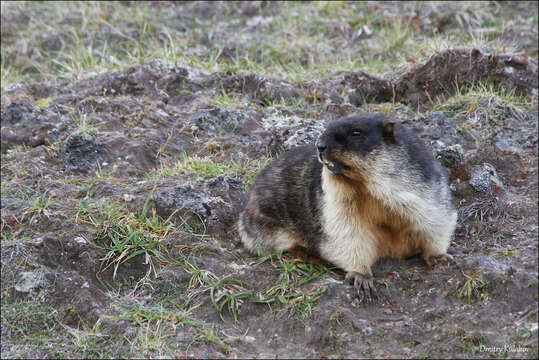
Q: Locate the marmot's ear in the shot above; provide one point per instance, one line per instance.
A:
(387, 126)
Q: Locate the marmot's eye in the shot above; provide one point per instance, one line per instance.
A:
(356, 133)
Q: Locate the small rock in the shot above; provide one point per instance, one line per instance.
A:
(249, 339)
(451, 156)
(217, 121)
(304, 136)
(29, 280)
(80, 240)
(436, 126)
(214, 202)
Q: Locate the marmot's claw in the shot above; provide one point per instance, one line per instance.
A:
(437, 259)
(364, 285)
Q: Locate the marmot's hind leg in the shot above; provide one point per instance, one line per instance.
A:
(260, 238)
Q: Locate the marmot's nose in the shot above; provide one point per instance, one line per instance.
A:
(321, 147)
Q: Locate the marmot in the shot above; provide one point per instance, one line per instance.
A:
(368, 189)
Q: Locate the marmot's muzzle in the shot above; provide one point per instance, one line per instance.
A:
(321, 146)
(335, 167)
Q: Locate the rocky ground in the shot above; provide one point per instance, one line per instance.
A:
(129, 133)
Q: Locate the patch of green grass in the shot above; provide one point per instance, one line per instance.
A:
(204, 167)
(241, 64)
(84, 125)
(230, 293)
(38, 208)
(125, 235)
(159, 325)
(300, 42)
(80, 60)
(525, 333)
(10, 73)
(68, 51)
(95, 342)
(293, 275)
(292, 271)
(82, 121)
(469, 342)
(224, 99)
(207, 168)
(208, 62)
(44, 102)
(480, 106)
(469, 98)
(23, 320)
(474, 287)
(504, 252)
(227, 292)
(35, 326)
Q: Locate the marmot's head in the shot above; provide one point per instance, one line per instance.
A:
(348, 145)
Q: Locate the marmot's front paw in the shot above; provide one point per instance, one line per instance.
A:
(363, 285)
(437, 259)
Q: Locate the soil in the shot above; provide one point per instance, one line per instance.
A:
(142, 119)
